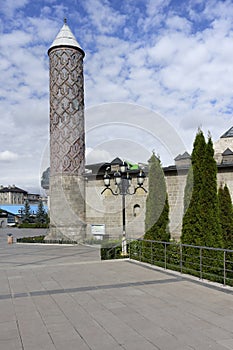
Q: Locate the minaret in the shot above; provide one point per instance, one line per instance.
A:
(67, 140)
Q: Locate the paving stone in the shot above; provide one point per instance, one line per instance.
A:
(56, 298)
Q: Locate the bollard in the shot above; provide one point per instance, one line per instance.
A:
(10, 239)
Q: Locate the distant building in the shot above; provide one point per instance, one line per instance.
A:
(12, 195)
(33, 198)
(15, 195)
(223, 147)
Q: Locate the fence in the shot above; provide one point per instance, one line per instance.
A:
(213, 264)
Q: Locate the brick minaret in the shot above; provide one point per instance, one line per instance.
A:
(67, 140)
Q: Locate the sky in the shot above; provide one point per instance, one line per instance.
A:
(155, 71)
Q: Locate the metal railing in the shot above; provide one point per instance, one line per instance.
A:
(213, 264)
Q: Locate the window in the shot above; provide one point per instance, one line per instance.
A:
(136, 210)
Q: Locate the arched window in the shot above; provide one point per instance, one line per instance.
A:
(136, 210)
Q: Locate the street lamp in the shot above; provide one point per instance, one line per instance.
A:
(123, 182)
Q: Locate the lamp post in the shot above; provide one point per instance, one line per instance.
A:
(123, 182)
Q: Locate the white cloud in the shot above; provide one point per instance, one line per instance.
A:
(103, 17)
(8, 156)
(10, 6)
(174, 59)
(94, 156)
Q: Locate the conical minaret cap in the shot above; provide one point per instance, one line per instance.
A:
(65, 38)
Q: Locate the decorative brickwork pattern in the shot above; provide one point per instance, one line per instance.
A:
(67, 141)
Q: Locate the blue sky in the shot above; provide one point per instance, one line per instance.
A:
(172, 59)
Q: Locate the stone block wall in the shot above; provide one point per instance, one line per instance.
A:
(67, 207)
(106, 209)
(175, 189)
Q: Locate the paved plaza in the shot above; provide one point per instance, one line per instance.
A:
(65, 298)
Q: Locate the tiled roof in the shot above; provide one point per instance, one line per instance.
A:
(185, 155)
(13, 189)
(116, 161)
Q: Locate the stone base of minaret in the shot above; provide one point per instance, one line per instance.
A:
(67, 208)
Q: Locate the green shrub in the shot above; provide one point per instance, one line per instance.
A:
(112, 250)
(35, 239)
(33, 225)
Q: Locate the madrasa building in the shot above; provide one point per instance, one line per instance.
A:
(81, 204)
(103, 211)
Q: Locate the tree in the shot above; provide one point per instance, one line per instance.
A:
(209, 206)
(157, 208)
(41, 215)
(26, 212)
(201, 224)
(191, 227)
(188, 189)
(226, 216)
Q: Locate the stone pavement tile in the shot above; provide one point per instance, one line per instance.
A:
(45, 277)
(11, 344)
(65, 343)
(114, 324)
(210, 346)
(16, 282)
(60, 329)
(34, 335)
(65, 336)
(145, 327)
(4, 285)
(176, 342)
(159, 329)
(225, 322)
(228, 343)
(139, 345)
(33, 331)
(9, 335)
(47, 307)
(169, 342)
(217, 333)
(7, 312)
(31, 282)
(95, 335)
(165, 313)
(196, 338)
(25, 309)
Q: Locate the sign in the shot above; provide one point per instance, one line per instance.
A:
(98, 231)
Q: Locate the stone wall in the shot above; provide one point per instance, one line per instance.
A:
(107, 209)
(67, 207)
(175, 183)
(225, 176)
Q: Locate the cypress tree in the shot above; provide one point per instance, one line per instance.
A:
(188, 189)
(201, 225)
(26, 217)
(41, 215)
(191, 228)
(226, 216)
(157, 207)
(210, 224)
